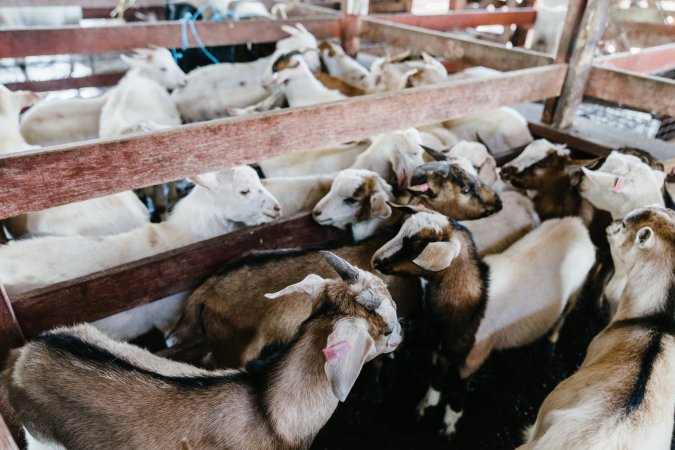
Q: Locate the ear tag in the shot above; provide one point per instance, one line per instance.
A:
(618, 186)
(336, 351)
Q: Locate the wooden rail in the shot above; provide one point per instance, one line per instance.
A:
(462, 19)
(38, 180)
(451, 47)
(632, 89)
(21, 42)
(647, 60)
(83, 3)
(98, 80)
(108, 292)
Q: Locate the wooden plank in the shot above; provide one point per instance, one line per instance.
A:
(646, 60)
(6, 439)
(84, 3)
(9, 422)
(590, 31)
(647, 34)
(98, 80)
(11, 334)
(451, 47)
(462, 19)
(35, 180)
(119, 38)
(101, 294)
(641, 91)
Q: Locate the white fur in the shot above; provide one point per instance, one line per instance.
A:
(299, 86)
(141, 97)
(326, 161)
(450, 419)
(501, 129)
(216, 206)
(298, 195)
(535, 152)
(343, 66)
(212, 90)
(111, 214)
(393, 155)
(394, 73)
(46, 16)
(480, 159)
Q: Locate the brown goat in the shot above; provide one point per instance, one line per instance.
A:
(623, 395)
(77, 388)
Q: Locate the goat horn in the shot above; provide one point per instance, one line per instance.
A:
(437, 167)
(369, 299)
(438, 156)
(346, 271)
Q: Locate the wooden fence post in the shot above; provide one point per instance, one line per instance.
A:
(582, 30)
(10, 332)
(351, 10)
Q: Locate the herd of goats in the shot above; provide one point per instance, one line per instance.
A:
(490, 257)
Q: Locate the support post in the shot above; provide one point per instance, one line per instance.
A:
(10, 332)
(577, 46)
(351, 10)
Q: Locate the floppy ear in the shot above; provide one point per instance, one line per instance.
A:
(348, 347)
(379, 206)
(438, 256)
(208, 180)
(645, 238)
(311, 285)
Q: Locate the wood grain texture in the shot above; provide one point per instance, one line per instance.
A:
(11, 334)
(647, 34)
(585, 44)
(36, 180)
(105, 293)
(646, 60)
(99, 80)
(120, 38)
(451, 47)
(641, 91)
(462, 19)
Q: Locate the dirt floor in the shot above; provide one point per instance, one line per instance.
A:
(504, 396)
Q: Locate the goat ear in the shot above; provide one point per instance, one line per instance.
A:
(208, 180)
(311, 285)
(348, 347)
(645, 238)
(438, 256)
(600, 180)
(408, 209)
(379, 206)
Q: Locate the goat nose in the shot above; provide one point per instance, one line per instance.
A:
(316, 212)
(277, 208)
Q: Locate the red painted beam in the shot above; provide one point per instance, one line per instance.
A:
(463, 19)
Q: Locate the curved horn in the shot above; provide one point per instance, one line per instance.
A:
(438, 156)
(436, 166)
(346, 271)
(369, 299)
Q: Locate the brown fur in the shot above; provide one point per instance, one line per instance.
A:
(237, 327)
(337, 84)
(77, 387)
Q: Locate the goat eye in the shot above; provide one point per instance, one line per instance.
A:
(244, 192)
(350, 200)
(388, 333)
(465, 190)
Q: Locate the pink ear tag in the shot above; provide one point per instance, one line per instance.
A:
(336, 351)
(423, 187)
(618, 186)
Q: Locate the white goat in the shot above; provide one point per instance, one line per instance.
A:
(111, 214)
(501, 129)
(341, 65)
(393, 156)
(395, 73)
(140, 100)
(214, 89)
(299, 85)
(56, 380)
(220, 203)
(623, 394)
(620, 185)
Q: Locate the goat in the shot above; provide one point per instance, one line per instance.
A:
(400, 71)
(621, 184)
(437, 137)
(301, 88)
(212, 90)
(623, 396)
(476, 305)
(141, 96)
(111, 214)
(325, 161)
(56, 380)
(298, 195)
(220, 203)
(500, 129)
(214, 311)
(341, 65)
(476, 153)
(546, 169)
